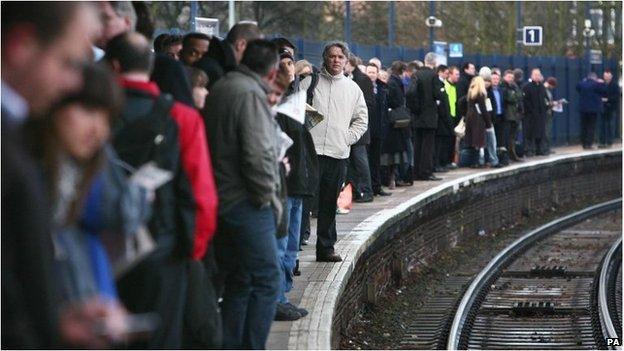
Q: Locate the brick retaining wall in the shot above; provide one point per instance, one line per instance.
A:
(413, 237)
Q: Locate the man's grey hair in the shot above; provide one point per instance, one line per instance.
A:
(430, 59)
(339, 44)
(126, 10)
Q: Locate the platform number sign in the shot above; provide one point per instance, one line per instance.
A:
(532, 35)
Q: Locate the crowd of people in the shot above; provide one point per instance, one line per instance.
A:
(155, 194)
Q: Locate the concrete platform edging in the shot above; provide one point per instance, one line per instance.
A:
(322, 297)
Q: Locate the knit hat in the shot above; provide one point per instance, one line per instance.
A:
(285, 53)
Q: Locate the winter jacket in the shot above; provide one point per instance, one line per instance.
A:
(475, 118)
(512, 98)
(428, 93)
(242, 134)
(197, 165)
(591, 93)
(341, 102)
(366, 85)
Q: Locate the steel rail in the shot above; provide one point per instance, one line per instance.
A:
(606, 323)
(482, 280)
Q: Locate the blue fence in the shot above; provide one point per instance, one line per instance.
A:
(566, 125)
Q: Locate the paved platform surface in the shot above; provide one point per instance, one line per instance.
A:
(316, 287)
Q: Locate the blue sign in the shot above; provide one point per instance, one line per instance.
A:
(456, 50)
(532, 35)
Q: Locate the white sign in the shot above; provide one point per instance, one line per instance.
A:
(532, 35)
(208, 26)
(595, 57)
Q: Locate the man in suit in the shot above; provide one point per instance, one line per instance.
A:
(425, 119)
(44, 45)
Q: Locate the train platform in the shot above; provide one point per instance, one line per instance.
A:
(320, 284)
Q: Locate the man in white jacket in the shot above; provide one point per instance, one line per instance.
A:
(340, 100)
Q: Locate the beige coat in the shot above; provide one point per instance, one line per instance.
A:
(341, 101)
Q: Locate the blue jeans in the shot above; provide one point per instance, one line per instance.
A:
(288, 246)
(490, 145)
(246, 251)
(468, 157)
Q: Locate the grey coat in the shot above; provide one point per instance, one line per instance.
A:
(242, 135)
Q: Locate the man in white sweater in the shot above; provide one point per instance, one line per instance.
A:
(341, 102)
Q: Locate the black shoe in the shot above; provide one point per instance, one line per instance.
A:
(382, 193)
(440, 170)
(284, 312)
(304, 242)
(365, 198)
(451, 166)
(330, 257)
(302, 311)
(430, 178)
(402, 183)
(296, 271)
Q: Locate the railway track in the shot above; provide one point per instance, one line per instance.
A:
(547, 290)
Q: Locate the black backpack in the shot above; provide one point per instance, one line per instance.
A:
(144, 133)
(138, 140)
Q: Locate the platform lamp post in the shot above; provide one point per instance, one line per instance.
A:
(194, 10)
(347, 22)
(391, 23)
(431, 28)
(588, 33)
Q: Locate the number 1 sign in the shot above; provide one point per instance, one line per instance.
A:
(532, 35)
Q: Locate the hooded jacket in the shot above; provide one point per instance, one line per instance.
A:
(341, 101)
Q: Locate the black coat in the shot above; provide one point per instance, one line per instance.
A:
(535, 110)
(212, 68)
(395, 139)
(218, 61)
(463, 84)
(366, 85)
(303, 178)
(30, 294)
(445, 122)
(613, 96)
(426, 117)
(170, 76)
(378, 118)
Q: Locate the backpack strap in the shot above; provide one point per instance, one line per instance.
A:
(313, 84)
(162, 106)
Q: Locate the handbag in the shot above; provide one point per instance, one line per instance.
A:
(399, 117)
(460, 129)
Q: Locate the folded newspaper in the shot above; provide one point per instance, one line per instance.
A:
(312, 117)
